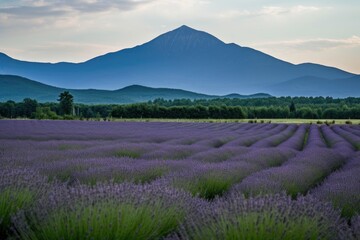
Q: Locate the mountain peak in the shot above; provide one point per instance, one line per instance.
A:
(185, 38)
(3, 55)
(185, 28)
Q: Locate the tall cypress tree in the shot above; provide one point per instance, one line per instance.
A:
(66, 102)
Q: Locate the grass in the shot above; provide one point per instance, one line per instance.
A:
(128, 153)
(217, 143)
(64, 174)
(106, 220)
(357, 146)
(64, 147)
(210, 185)
(260, 225)
(140, 177)
(213, 157)
(171, 154)
(312, 177)
(11, 201)
(306, 137)
(347, 203)
(348, 208)
(150, 175)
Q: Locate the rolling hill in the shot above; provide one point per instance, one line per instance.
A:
(184, 58)
(314, 86)
(17, 88)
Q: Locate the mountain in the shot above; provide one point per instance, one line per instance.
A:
(314, 86)
(17, 88)
(184, 58)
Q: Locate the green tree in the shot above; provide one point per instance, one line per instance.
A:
(306, 113)
(292, 107)
(330, 113)
(29, 107)
(10, 109)
(45, 113)
(66, 102)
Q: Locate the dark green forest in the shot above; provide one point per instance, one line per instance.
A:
(282, 107)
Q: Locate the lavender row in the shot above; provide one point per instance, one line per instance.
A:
(268, 217)
(210, 180)
(252, 137)
(110, 211)
(335, 141)
(298, 140)
(342, 188)
(351, 129)
(315, 137)
(275, 140)
(352, 138)
(298, 175)
(155, 211)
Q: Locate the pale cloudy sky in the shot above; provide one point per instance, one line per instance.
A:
(320, 31)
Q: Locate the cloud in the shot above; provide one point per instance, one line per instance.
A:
(269, 11)
(274, 10)
(70, 51)
(318, 44)
(31, 11)
(35, 9)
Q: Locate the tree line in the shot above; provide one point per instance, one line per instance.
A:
(283, 107)
(30, 108)
(260, 102)
(235, 112)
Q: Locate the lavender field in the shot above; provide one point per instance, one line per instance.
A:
(148, 180)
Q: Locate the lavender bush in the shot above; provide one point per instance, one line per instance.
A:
(109, 211)
(297, 175)
(19, 190)
(351, 137)
(268, 217)
(342, 188)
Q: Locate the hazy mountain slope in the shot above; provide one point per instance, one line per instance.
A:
(17, 88)
(314, 86)
(183, 58)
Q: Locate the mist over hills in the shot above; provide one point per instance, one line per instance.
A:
(189, 59)
(315, 86)
(17, 88)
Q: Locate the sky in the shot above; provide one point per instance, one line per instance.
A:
(320, 31)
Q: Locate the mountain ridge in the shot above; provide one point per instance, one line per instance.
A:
(17, 88)
(314, 86)
(183, 58)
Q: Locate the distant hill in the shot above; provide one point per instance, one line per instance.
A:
(17, 88)
(314, 86)
(184, 58)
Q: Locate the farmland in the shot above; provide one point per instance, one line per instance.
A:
(178, 180)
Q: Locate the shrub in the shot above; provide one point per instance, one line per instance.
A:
(12, 200)
(68, 117)
(269, 217)
(106, 220)
(123, 211)
(19, 190)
